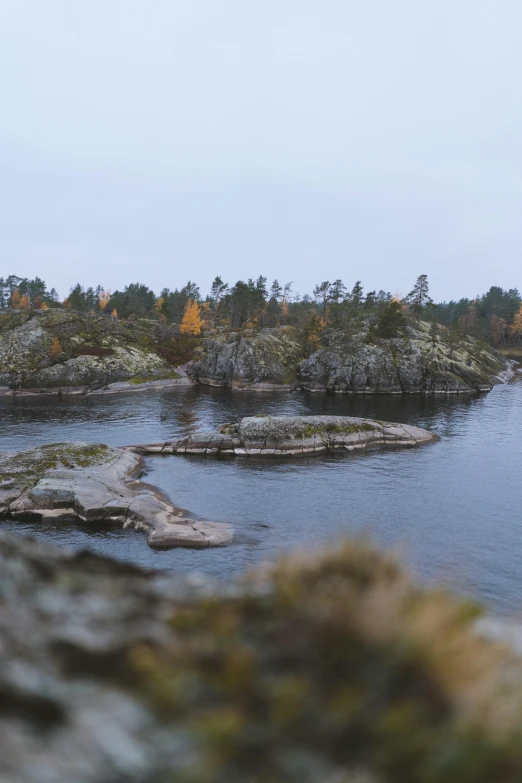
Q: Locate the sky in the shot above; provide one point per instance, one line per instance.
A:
(161, 141)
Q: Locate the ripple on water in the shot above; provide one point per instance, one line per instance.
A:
(450, 509)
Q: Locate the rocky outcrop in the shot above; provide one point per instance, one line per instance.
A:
(419, 362)
(415, 363)
(329, 669)
(266, 360)
(91, 483)
(293, 435)
(61, 352)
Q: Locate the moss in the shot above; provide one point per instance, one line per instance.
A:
(148, 378)
(26, 468)
(333, 429)
(336, 669)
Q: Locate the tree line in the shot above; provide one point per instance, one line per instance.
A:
(495, 316)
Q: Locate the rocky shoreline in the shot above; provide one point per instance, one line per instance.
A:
(419, 362)
(119, 387)
(94, 483)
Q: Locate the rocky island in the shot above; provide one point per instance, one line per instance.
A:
(93, 483)
(422, 360)
(60, 352)
(270, 436)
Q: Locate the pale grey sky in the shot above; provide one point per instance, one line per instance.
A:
(160, 140)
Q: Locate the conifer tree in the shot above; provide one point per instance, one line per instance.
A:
(419, 297)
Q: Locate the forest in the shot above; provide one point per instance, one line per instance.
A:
(494, 317)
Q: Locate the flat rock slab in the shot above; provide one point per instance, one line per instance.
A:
(293, 435)
(90, 483)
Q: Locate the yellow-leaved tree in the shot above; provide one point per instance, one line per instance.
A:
(103, 298)
(56, 348)
(15, 299)
(191, 323)
(516, 327)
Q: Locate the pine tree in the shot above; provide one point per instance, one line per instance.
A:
(191, 323)
(323, 292)
(392, 320)
(419, 297)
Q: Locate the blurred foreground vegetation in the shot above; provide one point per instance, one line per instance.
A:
(335, 670)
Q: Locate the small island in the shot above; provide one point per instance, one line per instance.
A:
(93, 483)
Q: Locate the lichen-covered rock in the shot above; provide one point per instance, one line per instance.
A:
(265, 360)
(414, 363)
(293, 435)
(62, 352)
(332, 669)
(351, 363)
(90, 483)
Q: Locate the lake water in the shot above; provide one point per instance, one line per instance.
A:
(450, 509)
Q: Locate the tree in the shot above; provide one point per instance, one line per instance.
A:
(419, 297)
(103, 298)
(322, 292)
(391, 320)
(498, 328)
(516, 326)
(191, 323)
(56, 348)
(470, 319)
(15, 299)
(312, 332)
(217, 290)
(24, 302)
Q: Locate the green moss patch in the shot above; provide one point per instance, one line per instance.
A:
(26, 468)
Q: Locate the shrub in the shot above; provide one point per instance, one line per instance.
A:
(336, 669)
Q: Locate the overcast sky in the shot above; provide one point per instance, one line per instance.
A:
(162, 140)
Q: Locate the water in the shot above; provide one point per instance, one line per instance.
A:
(450, 509)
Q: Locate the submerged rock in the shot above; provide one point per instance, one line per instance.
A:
(91, 484)
(293, 435)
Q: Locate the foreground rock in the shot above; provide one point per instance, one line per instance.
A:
(91, 484)
(293, 435)
(351, 363)
(329, 670)
(57, 352)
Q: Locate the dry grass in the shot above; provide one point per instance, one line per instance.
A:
(334, 670)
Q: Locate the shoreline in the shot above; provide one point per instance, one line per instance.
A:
(123, 387)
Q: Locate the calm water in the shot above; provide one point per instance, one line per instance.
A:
(451, 509)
